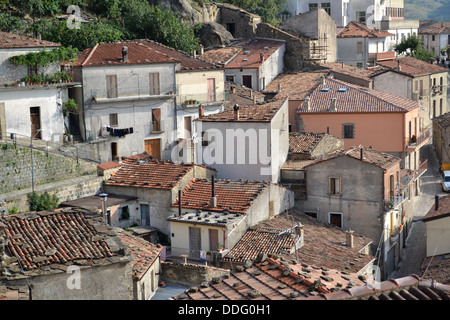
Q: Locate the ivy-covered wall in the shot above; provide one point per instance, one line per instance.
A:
(16, 171)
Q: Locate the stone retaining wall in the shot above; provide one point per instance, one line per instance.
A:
(189, 274)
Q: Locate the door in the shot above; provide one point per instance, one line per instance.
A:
(392, 187)
(35, 118)
(188, 128)
(114, 152)
(213, 239)
(247, 81)
(194, 242)
(145, 214)
(154, 83)
(211, 88)
(153, 147)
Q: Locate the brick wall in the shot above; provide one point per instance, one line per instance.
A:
(16, 171)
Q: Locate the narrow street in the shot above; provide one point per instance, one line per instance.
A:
(415, 249)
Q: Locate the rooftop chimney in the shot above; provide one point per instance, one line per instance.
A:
(307, 103)
(299, 229)
(349, 238)
(436, 202)
(333, 104)
(399, 67)
(201, 111)
(323, 80)
(104, 196)
(213, 201)
(125, 54)
(236, 112)
(261, 56)
(279, 87)
(362, 153)
(202, 49)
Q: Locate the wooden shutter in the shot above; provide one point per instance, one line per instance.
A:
(111, 86)
(154, 83)
(156, 119)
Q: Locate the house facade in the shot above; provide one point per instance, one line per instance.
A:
(435, 37)
(437, 221)
(366, 191)
(29, 110)
(214, 214)
(262, 130)
(155, 185)
(361, 46)
(416, 80)
(128, 96)
(441, 137)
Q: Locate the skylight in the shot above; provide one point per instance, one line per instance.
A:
(342, 89)
(325, 90)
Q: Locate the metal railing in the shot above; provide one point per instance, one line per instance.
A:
(76, 151)
(416, 142)
(133, 92)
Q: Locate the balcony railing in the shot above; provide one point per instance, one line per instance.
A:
(416, 142)
(423, 167)
(125, 93)
(193, 100)
(394, 201)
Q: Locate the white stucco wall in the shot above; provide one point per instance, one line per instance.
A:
(18, 101)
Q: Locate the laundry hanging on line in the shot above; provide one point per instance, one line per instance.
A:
(119, 132)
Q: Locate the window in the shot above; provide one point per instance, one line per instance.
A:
(361, 16)
(229, 78)
(156, 119)
(359, 47)
(359, 65)
(348, 131)
(335, 185)
(124, 213)
(154, 83)
(312, 6)
(433, 37)
(113, 119)
(440, 107)
(111, 86)
(327, 7)
(335, 219)
(312, 214)
(205, 139)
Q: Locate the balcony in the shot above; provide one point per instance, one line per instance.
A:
(395, 233)
(120, 94)
(415, 143)
(194, 100)
(423, 167)
(394, 201)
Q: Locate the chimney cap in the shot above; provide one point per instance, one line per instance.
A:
(236, 107)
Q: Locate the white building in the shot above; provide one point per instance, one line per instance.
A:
(435, 37)
(361, 46)
(249, 142)
(29, 109)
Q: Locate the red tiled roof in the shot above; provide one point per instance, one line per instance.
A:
(442, 212)
(407, 288)
(232, 196)
(346, 69)
(143, 252)
(153, 174)
(436, 28)
(55, 237)
(304, 142)
(13, 293)
(358, 30)
(323, 244)
(269, 279)
(10, 40)
(109, 165)
(188, 63)
(443, 120)
(296, 86)
(111, 54)
(252, 113)
(254, 54)
(354, 99)
(411, 66)
(376, 158)
(436, 268)
(222, 56)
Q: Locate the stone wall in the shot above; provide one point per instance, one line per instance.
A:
(17, 171)
(66, 190)
(189, 274)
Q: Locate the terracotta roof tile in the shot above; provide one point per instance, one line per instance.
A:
(232, 196)
(443, 209)
(58, 237)
(10, 40)
(254, 54)
(222, 56)
(346, 69)
(436, 28)
(105, 54)
(358, 30)
(109, 165)
(443, 120)
(436, 268)
(296, 86)
(14, 293)
(270, 279)
(263, 112)
(304, 142)
(143, 252)
(411, 66)
(149, 173)
(353, 98)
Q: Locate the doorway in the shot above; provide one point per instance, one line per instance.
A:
(35, 118)
(145, 214)
(153, 147)
(213, 239)
(335, 219)
(194, 242)
(247, 81)
(114, 152)
(211, 89)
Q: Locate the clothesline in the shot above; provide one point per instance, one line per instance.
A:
(119, 132)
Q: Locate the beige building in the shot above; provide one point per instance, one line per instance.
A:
(438, 227)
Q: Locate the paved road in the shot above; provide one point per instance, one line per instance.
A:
(415, 249)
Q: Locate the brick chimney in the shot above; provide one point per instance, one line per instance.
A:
(201, 111)
(349, 238)
(125, 54)
(236, 112)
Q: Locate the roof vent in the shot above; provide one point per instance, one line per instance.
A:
(333, 104)
(125, 54)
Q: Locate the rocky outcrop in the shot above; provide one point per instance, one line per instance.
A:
(183, 7)
(213, 34)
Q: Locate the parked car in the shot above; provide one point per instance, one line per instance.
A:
(445, 180)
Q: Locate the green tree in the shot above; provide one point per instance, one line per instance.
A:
(268, 10)
(42, 202)
(411, 46)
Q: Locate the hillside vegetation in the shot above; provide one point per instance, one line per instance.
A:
(427, 10)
